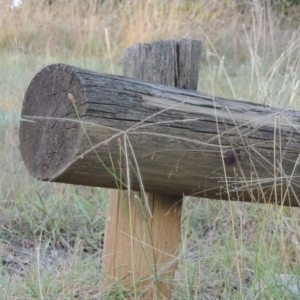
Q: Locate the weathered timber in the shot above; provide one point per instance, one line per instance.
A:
(141, 249)
(174, 139)
(168, 62)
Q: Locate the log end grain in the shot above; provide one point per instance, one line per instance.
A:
(49, 138)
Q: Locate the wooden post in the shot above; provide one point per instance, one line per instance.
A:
(143, 231)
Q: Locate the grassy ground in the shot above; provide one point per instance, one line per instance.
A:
(51, 235)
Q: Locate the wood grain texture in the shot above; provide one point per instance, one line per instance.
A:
(178, 138)
(172, 63)
(140, 249)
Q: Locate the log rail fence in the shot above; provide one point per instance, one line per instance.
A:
(152, 139)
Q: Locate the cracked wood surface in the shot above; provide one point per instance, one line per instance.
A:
(176, 138)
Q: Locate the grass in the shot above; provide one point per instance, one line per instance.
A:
(51, 235)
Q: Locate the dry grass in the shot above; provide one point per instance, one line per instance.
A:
(77, 28)
(51, 234)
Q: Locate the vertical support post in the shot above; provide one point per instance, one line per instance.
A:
(140, 251)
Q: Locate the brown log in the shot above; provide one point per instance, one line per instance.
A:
(141, 246)
(174, 139)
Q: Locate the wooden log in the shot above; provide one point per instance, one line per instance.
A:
(141, 246)
(173, 140)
